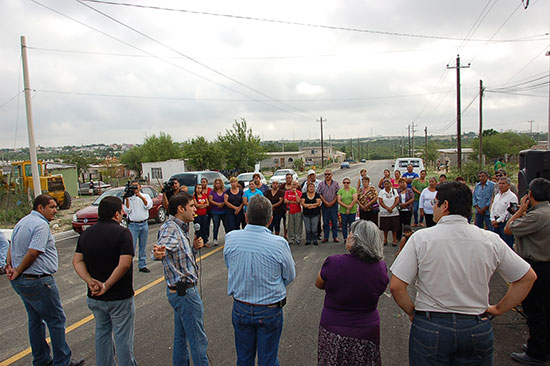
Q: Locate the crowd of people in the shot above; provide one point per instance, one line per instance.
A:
(450, 313)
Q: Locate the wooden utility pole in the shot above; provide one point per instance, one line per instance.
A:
(30, 129)
(412, 139)
(458, 112)
(409, 145)
(322, 147)
(481, 90)
(426, 141)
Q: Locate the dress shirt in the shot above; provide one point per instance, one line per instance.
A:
(33, 232)
(425, 201)
(483, 195)
(499, 208)
(449, 279)
(260, 265)
(532, 233)
(304, 186)
(137, 210)
(179, 263)
(328, 191)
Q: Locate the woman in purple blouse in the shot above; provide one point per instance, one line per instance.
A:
(349, 333)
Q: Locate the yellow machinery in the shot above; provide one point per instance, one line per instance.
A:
(49, 184)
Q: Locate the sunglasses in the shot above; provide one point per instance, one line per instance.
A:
(328, 174)
(346, 182)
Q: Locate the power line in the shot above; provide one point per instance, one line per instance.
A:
(529, 63)
(9, 100)
(398, 34)
(481, 17)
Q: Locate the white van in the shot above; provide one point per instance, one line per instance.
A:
(402, 163)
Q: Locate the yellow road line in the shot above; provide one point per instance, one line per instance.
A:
(85, 320)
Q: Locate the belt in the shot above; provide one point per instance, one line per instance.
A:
(136, 222)
(278, 304)
(434, 314)
(186, 284)
(25, 275)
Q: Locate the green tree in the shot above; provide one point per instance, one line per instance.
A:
(202, 155)
(154, 148)
(430, 154)
(81, 161)
(242, 150)
(499, 144)
(132, 158)
(298, 164)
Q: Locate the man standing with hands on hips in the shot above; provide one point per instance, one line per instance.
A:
(137, 208)
(260, 267)
(177, 252)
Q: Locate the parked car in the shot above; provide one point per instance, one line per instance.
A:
(345, 165)
(280, 175)
(402, 163)
(191, 179)
(247, 177)
(363, 160)
(88, 216)
(99, 187)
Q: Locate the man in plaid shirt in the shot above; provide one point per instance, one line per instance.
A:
(180, 271)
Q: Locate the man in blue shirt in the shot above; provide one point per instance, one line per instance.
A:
(482, 198)
(32, 260)
(4, 246)
(260, 266)
(409, 175)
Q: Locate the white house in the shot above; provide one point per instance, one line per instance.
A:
(159, 171)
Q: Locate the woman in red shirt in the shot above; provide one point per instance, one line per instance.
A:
(201, 203)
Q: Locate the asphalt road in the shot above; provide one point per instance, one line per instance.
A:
(154, 317)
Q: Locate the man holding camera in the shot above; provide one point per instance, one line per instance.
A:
(171, 188)
(529, 225)
(504, 202)
(181, 273)
(136, 206)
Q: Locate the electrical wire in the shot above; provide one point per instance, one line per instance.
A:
(9, 100)
(528, 63)
(481, 17)
(286, 22)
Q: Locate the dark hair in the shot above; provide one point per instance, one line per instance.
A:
(42, 200)
(135, 181)
(407, 228)
(179, 199)
(460, 179)
(195, 192)
(108, 207)
(443, 175)
(458, 195)
(259, 211)
(540, 189)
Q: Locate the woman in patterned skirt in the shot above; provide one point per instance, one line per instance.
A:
(349, 332)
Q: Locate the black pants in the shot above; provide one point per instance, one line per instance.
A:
(429, 220)
(404, 219)
(369, 216)
(537, 309)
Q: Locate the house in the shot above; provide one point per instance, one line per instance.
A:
(451, 155)
(280, 160)
(159, 171)
(69, 173)
(313, 154)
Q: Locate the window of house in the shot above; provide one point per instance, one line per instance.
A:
(156, 173)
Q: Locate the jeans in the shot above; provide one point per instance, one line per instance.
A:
(140, 231)
(216, 218)
(234, 221)
(202, 220)
(276, 223)
(347, 220)
(113, 318)
(416, 206)
(41, 299)
(330, 214)
(295, 228)
(452, 340)
(310, 222)
(484, 219)
(537, 309)
(188, 327)
(508, 239)
(4, 246)
(257, 328)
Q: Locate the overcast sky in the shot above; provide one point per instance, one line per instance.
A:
(186, 70)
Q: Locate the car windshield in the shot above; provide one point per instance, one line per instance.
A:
(112, 192)
(245, 177)
(405, 163)
(282, 172)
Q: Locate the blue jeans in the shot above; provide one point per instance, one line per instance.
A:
(416, 206)
(484, 219)
(310, 223)
(330, 214)
(508, 239)
(113, 318)
(140, 231)
(4, 246)
(41, 299)
(347, 220)
(216, 218)
(234, 221)
(450, 341)
(257, 328)
(188, 327)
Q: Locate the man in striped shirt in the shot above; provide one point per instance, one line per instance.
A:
(180, 271)
(260, 266)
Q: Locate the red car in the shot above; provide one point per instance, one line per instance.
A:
(86, 217)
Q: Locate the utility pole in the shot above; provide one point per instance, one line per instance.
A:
(358, 149)
(351, 148)
(426, 142)
(531, 127)
(458, 112)
(409, 145)
(481, 90)
(412, 139)
(320, 120)
(367, 150)
(32, 144)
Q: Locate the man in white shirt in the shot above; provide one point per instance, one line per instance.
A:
(451, 265)
(137, 208)
(504, 201)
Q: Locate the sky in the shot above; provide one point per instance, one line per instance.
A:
(117, 73)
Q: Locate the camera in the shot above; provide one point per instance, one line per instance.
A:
(168, 187)
(129, 190)
(512, 208)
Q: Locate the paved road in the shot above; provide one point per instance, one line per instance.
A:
(154, 319)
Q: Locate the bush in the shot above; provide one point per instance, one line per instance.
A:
(13, 206)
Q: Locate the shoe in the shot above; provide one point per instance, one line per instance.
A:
(524, 348)
(215, 242)
(315, 243)
(336, 240)
(393, 244)
(206, 245)
(298, 242)
(77, 362)
(144, 270)
(307, 243)
(525, 359)
(324, 240)
(385, 243)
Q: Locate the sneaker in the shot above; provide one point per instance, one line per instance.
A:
(324, 240)
(144, 270)
(315, 243)
(215, 242)
(307, 243)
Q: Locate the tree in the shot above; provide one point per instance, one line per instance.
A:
(202, 155)
(431, 153)
(154, 148)
(133, 158)
(499, 144)
(81, 161)
(241, 149)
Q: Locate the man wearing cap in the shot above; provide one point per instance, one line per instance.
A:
(311, 177)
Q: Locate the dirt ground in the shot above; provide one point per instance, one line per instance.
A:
(63, 218)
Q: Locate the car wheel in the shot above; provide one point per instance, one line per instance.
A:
(161, 215)
(66, 201)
